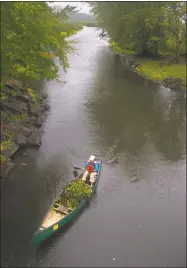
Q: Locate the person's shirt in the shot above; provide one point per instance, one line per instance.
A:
(96, 166)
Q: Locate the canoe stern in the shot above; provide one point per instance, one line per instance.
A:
(43, 233)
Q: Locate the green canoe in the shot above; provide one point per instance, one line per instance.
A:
(58, 215)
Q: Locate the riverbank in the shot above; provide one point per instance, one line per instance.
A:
(22, 114)
(161, 71)
(171, 75)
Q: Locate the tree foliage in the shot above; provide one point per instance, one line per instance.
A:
(31, 35)
(64, 13)
(148, 28)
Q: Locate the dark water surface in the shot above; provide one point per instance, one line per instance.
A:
(104, 109)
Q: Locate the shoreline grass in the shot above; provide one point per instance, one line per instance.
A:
(157, 70)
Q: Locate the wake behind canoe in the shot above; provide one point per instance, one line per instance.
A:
(62, 211)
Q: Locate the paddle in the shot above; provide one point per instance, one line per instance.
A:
(78, 168)
(75, 173)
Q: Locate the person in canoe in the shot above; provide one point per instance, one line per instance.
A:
(91, 168)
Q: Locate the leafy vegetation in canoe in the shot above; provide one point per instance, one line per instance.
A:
(74, 193)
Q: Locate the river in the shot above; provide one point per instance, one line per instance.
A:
(138, 217)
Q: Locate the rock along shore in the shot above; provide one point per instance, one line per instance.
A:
(21, 121)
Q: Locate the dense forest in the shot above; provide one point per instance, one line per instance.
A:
(145, 28)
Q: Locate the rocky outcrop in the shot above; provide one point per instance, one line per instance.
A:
(6, 169)
(176, 84)
(10, 150)
(21, 120)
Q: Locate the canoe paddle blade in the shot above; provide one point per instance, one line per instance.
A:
(75, 173)
(78, 168)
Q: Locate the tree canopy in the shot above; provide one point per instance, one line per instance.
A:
(31, 35)
(148, 28)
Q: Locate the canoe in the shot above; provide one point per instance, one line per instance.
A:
(58, 215)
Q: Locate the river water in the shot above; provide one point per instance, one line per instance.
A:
(138, 217)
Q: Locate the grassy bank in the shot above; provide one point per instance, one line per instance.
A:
(158, 70)
(155, 70)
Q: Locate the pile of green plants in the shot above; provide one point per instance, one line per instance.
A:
(75, 192)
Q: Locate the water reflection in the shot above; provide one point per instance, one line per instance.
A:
(133, 115)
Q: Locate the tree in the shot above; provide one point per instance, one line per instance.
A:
(31, 34)
(144, 27)
(176, 28)
(64, 14)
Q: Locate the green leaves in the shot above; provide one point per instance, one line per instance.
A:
(30, 34)
(75, 192)
(32, 94)
(63, 34)
(144, 27)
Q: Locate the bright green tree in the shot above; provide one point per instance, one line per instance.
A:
(31, 35)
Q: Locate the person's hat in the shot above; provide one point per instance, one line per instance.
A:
(92, 158)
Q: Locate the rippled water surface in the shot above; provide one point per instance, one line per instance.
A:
(138, 216)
